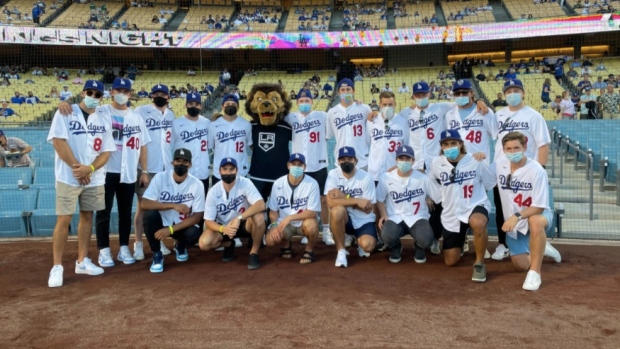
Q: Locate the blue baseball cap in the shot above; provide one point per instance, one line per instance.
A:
(405, 150)
(192, 97)
(226, 161)
(421, 87)
(461, 85)
(513, 83)
(160, 88)
(120, 83)
(297, 157)
(345, 83)
(346, 151)
(304, 93)
(449, 135)
(1, 133)
(93, 85)
(230, 97)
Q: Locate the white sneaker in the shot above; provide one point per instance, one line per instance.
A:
(532, 281)
(105, 258)
(328, 238)
(55, 279)
(138, 251)
(87, 267)
(164, 250)
(238, 243)
(124, 255)
(348, 240)
(487, 254)
(304, 241)
(435, 247)
(550, 251)
(341, 259)
(500, 253)
(362, 253)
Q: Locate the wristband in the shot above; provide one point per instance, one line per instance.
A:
(171, 230)
(222, 229)
(92, 168)
(348, 196)
(272, 225)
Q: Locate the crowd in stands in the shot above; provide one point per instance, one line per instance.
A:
(468, 11)
(313, 20)
(363, 16)
(254, 16)
(587, 7)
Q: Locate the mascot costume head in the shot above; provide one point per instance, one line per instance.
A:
(267, 104)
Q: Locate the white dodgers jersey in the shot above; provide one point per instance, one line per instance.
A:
(476, 130)
(348, 127)
(361, 185)
(159, 126)
(193, 135)
(385, 137)
(288, 202)
(309, 138)
(527, 121)
(231, 139)
(222, 207)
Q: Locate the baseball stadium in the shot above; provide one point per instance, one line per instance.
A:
(310, 173)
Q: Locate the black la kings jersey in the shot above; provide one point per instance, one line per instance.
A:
(270, 151)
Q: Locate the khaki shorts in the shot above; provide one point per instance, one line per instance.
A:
(90, 198)
(608, 115)
(140, 190)
(291, 231)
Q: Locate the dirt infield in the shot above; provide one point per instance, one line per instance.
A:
(204, 303)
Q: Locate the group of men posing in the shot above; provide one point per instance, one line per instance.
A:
(423, 172)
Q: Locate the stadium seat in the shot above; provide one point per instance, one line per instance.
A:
(14, 207)
(43, 218)
(11, 176)
(44, 177)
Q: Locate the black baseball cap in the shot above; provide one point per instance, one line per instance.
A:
(183, 153)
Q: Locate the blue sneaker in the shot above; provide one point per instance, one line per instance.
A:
(182, 254)
(158, 263)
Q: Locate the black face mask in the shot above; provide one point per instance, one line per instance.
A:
(230, 110)
(228, 178)
(193, 111)
(160, 101)
(347, 167)
(180, 170)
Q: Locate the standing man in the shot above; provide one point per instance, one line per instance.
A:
(351, 197)
(517, 117)
(610, 103)
(131, 137)
(14, 150)
(309, 127)
(173, 206)
(524, 192)
(234, 208)
(346, 122)
(66, 94)
(158, 120)
(83, 145)
(402, 203)
(293, 205)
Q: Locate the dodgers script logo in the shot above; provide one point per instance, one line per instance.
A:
(306, 125)
(406, 195)
(416, 124)
(197, 134)
(387, 134)
(459, 177)
(76, 128)
(514, 185)
(467, 124)
(131, 130)
(230, 136)
(348, 120)
(351, 191)
(176, 198)
(233, 204)
(509, 125)
(153, 124)
(266, 141)
(295, 205)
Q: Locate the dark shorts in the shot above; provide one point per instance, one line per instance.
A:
(457, 239)
(320, 177)
(214, 180)
(263, 187)
(205, 184)
(366, 229)
(241, 232)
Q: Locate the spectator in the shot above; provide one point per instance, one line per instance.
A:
(191, 72)
(53, 93)
(586, 71)
(154, 20)
(243, 95)
(14, 150)
(32, 99)
(78, 80)
(572, 73)
(610, 103)
(387, 88)
(566, 108)
(403, 88)
(143, 93)
(36, 14)
(600, 67)
(65, 94)
(441, 75)
(481, 76)
(18, 99)
(546, 89)
(162, 19)
(510, 75)
(374, 89)
(599, 84)
(93, 18)
(576, 64)
(583, 84)
(327, 87)
(587, 109)
(500, 101)
(6, 111)
(358, 77)
(292, 95)
(433, 19)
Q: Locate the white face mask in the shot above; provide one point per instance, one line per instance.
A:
(387, 112)
(121, 98)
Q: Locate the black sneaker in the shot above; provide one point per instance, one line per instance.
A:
(253, 261)
(419, 255)
(229, 252)
(395, 253)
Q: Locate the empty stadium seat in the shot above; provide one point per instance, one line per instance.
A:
(44, 177)
(9, 177)
(14, 207)
(43, 218)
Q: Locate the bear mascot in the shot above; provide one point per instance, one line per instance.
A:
(268, 105)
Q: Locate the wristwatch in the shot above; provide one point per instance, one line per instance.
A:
(145, 172)
(240, 217)
(518, 215)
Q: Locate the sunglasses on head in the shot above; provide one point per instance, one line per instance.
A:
(90, 93)
(453, 175)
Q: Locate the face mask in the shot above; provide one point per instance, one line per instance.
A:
(347, 167)
(346, 98)
(513, 99)
(388, 112)
(230, 110)
(422, 102)
(228, 178)
(404, 166)
(91, 102)
(160, 101)
(515, 157)
(451, 153)
(193, 111)
(462, 101)
(121, 98)
(296, 171)
(180, 170)
(305, 108)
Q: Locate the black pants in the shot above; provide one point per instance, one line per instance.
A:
(499, 216)
(124, 200)
(184, 237)
(263, 187)
(435, 221)
(214, 180)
